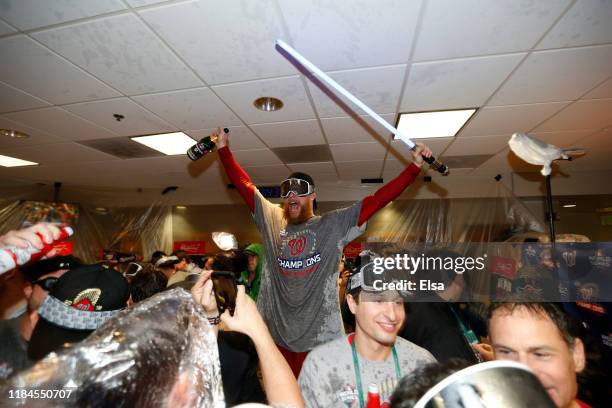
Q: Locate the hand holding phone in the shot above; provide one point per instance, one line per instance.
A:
(225, 290)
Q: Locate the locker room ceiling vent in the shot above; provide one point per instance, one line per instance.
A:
(304, 154)
(122, 148)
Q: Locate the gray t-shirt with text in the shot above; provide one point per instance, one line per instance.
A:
(298, 295)
(328, 376)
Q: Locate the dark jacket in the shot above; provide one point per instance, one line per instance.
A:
(433, 326)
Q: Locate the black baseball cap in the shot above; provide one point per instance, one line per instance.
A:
(37, 269)
(80, 301)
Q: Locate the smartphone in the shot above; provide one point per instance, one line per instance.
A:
(224, 287)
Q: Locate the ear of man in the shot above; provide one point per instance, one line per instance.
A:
(27, 290)
(578, 355)
(352, 301)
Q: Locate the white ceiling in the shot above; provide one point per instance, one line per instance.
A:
(543, 67)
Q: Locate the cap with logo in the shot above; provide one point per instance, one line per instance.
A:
(79, 302)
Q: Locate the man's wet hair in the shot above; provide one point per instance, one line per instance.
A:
(182, 255)
(568, 327)
(231, 261)
(413, 386)
(156, 255)
(147, 283)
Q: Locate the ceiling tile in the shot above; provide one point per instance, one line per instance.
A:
(394, 167)
(599, 142)
(587, 22)
(505, 120)
(144, 166)
(356, 170)
(12, 99)
(602, 91)
(60, 122)
(139, 3)
(598, 149)
(563, 139)
(486, 27)
(136, 121)
(286, 134)
(466, 146)
(6, 28)
(500, 164)
(39, 72)
(275, 172)
(559, 75)
(378, 88)
(399, 148)
(240, 98)
(258, 157)
(122, 51)
(314, 169)
(352, 33)
(37, 137)
(347, 152)
(240, 137)
(29, 14)
(582, 115)
(57, 154)
(240, 51)
(461, 83)
(349, 130)
(190, 109)
(114, 173)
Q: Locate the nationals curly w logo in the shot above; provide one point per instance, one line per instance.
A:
(297, 245)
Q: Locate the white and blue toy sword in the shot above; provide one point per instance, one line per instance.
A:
(436, 165)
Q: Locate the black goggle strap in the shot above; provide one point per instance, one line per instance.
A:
(298, 186)
(135, 266)
(47, 283)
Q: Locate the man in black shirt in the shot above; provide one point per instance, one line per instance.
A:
(15, 333)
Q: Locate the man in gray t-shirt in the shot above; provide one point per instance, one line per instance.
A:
(298, 293)
(338, 373)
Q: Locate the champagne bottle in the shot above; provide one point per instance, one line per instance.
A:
(204, 146)
(12, 256)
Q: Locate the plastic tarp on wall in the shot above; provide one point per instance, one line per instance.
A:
(133, 230)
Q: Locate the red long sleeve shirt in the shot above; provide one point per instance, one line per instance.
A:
(371, 204)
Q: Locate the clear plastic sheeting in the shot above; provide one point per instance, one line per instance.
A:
(458, 220)
(160, 353)
(131, 230)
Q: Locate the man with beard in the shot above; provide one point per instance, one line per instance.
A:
(298, 292)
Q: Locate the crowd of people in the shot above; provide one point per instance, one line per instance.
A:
(285, 342)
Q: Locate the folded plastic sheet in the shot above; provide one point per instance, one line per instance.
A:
(160, 353)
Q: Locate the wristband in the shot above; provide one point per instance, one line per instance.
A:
(214, 320)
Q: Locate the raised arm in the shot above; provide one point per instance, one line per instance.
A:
(236, 174)
(394, 188)
(280, 384)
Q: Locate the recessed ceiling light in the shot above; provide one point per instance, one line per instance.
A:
(167, 143)
(15, 134)
(180, 207)
(569, 205)
(425, 125)
(268, 103)
(8, 161)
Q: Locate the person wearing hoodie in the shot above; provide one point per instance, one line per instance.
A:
(251, 277)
